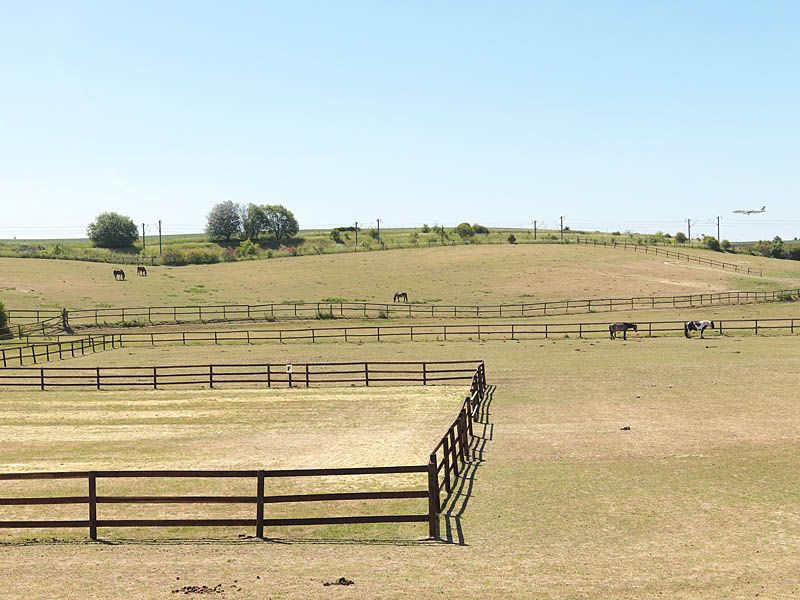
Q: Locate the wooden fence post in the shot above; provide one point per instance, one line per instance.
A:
(92, 506)
(433, 498)
(260, 505)
(155, 378)
(424, 373)
(366, 374)
(446, 459)
(210, 376)
(307, 376)
(41, 377)
(97, 376)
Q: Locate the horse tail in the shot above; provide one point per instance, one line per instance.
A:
(686, 329)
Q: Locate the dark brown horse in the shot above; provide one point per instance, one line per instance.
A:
(615, 328)
(400, 297)
(119, 274)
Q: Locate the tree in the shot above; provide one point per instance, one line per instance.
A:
(726, 246)
(680, 237)
(477, 228)
(280, 222)
(776, 249)
(3, 316)
(465, 230)
(253, 222)
(112, 230)
(224, 222)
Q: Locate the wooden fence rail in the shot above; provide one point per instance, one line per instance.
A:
(456, 444)
(44, 352)
(725, 266)
(370, 373)
(58, 350)
(354, 310)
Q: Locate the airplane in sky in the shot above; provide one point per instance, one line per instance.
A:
(750, 211)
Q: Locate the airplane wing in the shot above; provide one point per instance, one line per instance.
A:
(740, 212)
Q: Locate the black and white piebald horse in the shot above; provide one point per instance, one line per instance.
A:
(400, 297)
(700, 326)
(615, 328)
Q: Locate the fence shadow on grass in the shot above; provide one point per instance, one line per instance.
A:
(456, 503)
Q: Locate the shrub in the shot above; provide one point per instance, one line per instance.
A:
(336, 235)
(426, 228)
(382, 314)
(680, 237)
(615, 233)
(196, 256)
(480, 229)
(512, 239)
(247, 248)
(373, 234)
(3, 316)
(726, 246)
(224, 222)
(711, 243)
(112, 230)
(465, 231)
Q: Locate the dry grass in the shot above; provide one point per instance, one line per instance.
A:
(462, 275)
(698, 499)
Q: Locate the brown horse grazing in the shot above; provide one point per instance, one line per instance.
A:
(119, 274)
(141, 271)
(400, 297)
(614, 328)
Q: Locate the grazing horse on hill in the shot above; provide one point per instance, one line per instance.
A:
(141, 271)
(119, 274)
(400, 297)
(700, 326)
(615, 328)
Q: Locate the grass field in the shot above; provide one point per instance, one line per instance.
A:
(698, 499)
(460, 275)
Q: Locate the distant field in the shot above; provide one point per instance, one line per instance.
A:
(460, 275)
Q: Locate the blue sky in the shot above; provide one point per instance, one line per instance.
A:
(616, 115)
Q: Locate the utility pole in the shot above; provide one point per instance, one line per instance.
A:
(356, 236)
(379, 230)
(143, 242)
(534, 230)
(689, 221)
(562, 229)
(159, 237)
(718, 229)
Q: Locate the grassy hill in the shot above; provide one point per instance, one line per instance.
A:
(474, 274)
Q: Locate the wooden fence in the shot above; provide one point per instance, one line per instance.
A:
(725, 266)
(57, 350)
(353, 310)
(454, 446)
(371, 373)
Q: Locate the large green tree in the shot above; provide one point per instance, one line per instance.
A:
(112, 230)
(253, 221)
(280, 222)
(224, 222)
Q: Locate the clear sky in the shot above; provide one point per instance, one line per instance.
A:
(614, 114)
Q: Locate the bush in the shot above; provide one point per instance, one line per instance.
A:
(615, 233)
(512, 239)
(712, 243)
(465, 231)
(373, 234)
(224, 222)
(196, 256)
(112, 230)
(247, 248)
(336, 235)
(480, 229)
(680, 237)
(726, 246)
(425, 228)
(3, 316)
